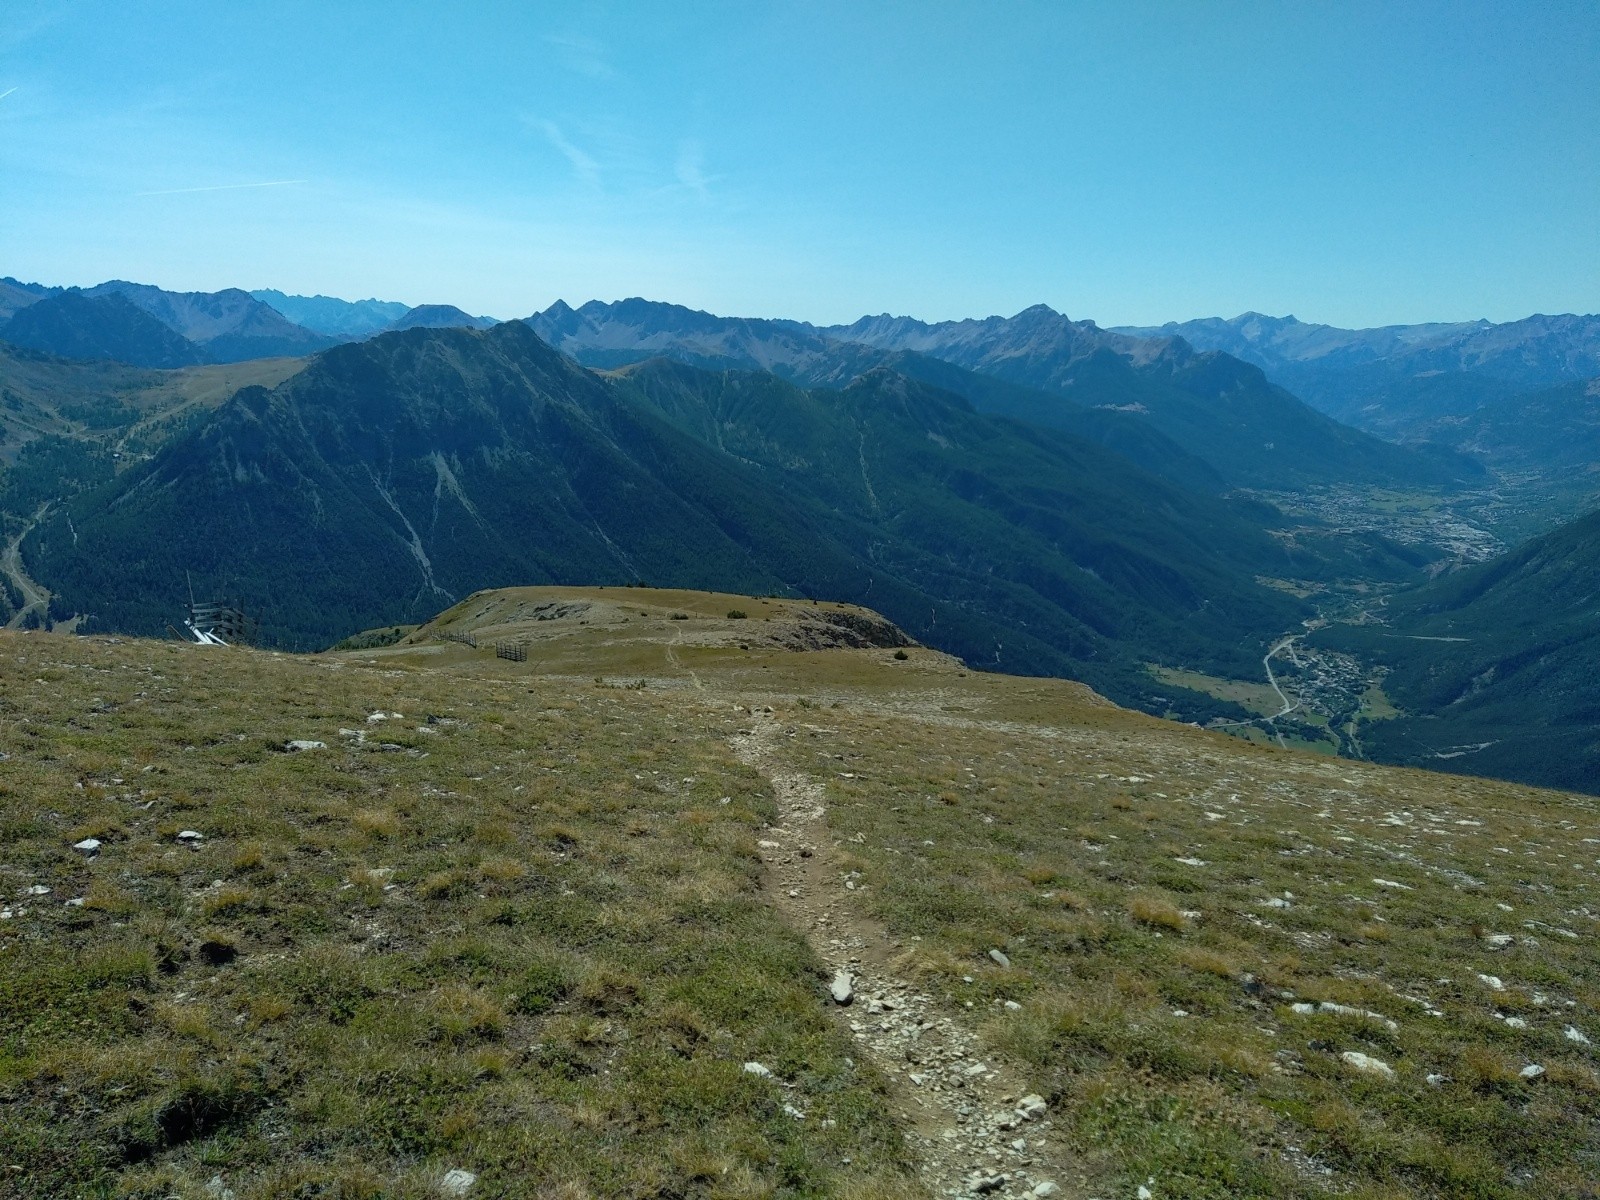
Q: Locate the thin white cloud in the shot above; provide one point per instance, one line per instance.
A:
(7, 92)
(690, 169)
(583, 166)
(223, 187)
(583, 55)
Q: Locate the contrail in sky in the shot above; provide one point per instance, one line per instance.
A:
(8, 92)
(217, 187)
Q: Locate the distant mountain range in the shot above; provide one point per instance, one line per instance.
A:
(1219, 410)
(1458, 385)
(108, 328)
(147, 326)
(1032, 493)
(393, 475)
(1452, 392)
(334, 317)
(1533, 352)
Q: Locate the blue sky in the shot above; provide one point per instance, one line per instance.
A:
(1129, 162)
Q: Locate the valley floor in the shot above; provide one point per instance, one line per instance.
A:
(568, 925)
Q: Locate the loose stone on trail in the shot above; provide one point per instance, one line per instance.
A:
(842, 988)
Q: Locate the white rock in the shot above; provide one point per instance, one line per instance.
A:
(760, 1070)
(1492, 982)
(999, 956)
(1277, 902)
(457, 1182)
(1145, 1193)
(38, 889)
(842, 988)
(1343, 1010)
(1574, 1034)
(1366, 1063)
(77, 902)
(1390, 883)
(303, 744)
(1531, 1071)
(1031, 1107)
(88, 845)
(1191, 861)
(1045, 1189)
(790, 1110)
(1436, 1080)
(1516, 1023)
(191, 835)
(770, 845)
(1013, 1006)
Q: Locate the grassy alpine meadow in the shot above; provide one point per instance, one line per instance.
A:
(1243, 972)
(509, 918)
(490, 925)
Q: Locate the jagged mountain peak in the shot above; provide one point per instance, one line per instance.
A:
(1035, 312)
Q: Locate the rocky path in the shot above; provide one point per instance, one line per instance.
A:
(971, 1124)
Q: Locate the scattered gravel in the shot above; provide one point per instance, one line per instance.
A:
(966, 1126)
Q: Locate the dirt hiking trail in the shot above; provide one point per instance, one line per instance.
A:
(973, 1128)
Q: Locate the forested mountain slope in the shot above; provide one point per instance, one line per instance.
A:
(394, 474)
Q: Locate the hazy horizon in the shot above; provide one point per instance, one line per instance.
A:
(1358, 166)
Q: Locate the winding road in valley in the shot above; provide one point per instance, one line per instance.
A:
(1288, 705)
(34, 597)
